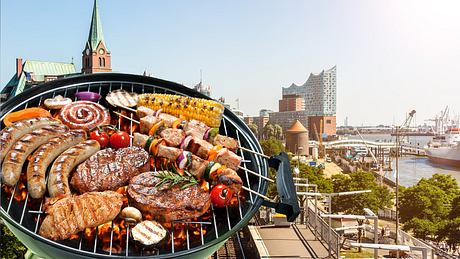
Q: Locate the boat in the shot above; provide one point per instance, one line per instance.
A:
(445, 148)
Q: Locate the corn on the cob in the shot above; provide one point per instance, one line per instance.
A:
(206, 111)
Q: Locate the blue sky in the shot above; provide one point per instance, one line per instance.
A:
(391, 56)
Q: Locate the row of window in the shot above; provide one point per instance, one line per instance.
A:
(101, 62)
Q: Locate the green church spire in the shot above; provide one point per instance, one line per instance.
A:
(95, 33)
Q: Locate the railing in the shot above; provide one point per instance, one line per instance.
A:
(406, 239)
(323, 231)
(387, 214)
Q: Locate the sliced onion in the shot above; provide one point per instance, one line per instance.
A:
(206, 134)
(182, 160)
(88, 96)
(157, 113)
(185, 142)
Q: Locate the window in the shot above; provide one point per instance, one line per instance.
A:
(328, 121)
(103, 62)
(100, 62)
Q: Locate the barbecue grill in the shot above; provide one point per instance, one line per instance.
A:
(203, 237)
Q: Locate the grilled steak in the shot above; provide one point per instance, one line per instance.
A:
(109, 169)
(167, 203)
(72, 214)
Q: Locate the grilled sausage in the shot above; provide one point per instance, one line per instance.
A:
(18, 154)
(11, 134)
(44, 156)
(58, 180)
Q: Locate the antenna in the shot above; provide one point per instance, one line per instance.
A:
(201, 76)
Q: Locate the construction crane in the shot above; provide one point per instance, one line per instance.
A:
(319, 137)
(398, 144)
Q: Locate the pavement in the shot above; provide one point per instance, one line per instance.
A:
(272, 242)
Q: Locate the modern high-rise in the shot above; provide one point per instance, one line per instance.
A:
(319, 93)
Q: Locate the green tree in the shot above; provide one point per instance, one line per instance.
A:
(272, 147)
(254, 129)
(278, 131)
(269, 131)
(380, 196)
(431, 208)
(423, 201)
(421, 228)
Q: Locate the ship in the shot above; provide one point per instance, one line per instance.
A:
(445, 148)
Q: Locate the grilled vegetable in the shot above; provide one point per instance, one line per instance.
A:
(119, 139)
(221, 195)
(207, 111)
(122, 98)
(148, 232)
(131, 215)
(57, 102)
(88, 96)
(25, 114)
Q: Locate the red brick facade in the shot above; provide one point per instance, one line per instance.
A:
(98, 60)
(328, 125)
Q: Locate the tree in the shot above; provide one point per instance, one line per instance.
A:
(423, 201)
(380, 197)
(431, 208)
(278, 131)
(272, 147)
(269, 131)
(421, 228)
(254, 129)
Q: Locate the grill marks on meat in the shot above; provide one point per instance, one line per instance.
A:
(109, 169)
(72, 214)
(164, 203)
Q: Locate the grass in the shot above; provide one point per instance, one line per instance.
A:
(355, 254)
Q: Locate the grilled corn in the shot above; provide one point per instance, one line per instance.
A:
(206, 111)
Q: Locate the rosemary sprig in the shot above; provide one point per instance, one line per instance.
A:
(173, 178)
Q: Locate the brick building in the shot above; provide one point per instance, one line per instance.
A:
(291, 102)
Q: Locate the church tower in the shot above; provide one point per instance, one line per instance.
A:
(96, 56)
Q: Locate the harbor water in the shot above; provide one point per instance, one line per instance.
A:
(412, 168)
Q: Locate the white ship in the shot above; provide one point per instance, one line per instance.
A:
(445, 149)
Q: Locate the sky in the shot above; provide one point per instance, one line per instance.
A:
(392, 56)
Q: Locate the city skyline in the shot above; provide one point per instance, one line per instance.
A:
(403, 54)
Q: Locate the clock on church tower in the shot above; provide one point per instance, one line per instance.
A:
(96, 57)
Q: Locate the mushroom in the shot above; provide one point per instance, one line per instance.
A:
(131, 215)
(57, 102)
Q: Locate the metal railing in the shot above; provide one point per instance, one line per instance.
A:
(323, 231)
(387, 214)
(406, 239)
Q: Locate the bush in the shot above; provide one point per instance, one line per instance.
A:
(9, 245)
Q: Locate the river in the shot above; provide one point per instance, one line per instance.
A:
(411, 168)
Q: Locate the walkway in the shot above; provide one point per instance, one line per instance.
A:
(287, 242)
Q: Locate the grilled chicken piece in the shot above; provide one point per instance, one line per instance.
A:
(72, 214)
(170, 153)
(167, 203)
(147, 122)
(230, 178)
(109, 169)
(143, 111)
(196, 128)
(173, 137)
(228, 158)
(228, 142)
(198, 167)
(199, 147)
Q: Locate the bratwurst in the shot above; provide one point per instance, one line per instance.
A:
(58, 179)
(18, 154)
(44, 156)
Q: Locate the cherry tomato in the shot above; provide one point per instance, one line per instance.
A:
(221, 195)
(101, 137)
(119, 139)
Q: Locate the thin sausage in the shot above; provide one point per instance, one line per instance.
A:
(14, 160)
(11, 134)
(44, 156)
(58, 180)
